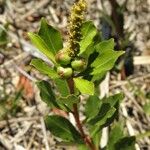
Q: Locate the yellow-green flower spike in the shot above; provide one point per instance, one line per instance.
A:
(75, 22)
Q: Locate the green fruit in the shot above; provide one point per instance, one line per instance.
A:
(63, 58)
(79, 64)
(64, 72)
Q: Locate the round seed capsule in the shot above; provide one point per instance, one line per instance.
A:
(63, 58)
(64, 72)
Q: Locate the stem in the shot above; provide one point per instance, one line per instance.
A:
(77, 119)
(87, 139)
(117, 18)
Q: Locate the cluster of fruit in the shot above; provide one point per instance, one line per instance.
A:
(68, 65)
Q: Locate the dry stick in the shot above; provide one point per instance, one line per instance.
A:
(44, 133)
(75, 112)
(24, 73)
(8, 125)
(31, 140)
(5, 143)
(128, 124)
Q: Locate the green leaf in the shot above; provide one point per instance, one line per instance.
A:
(68, 101)
(89, 50)
(3, 36)
(62, 128)
(50, 36)
(91, 47)
(116, 134)
(41, 66)
(96, 123)
(42, 46)
(105, 45)
(118, 141)
(146, 108)
(114, 99)
(101, 123)
(92, 106)
(62, 87)
(84, 86)
(88, 32)
(96, 139)
(106, 58)
(47, 94)
(99, 77)
(104, 113)
(126, 143)
(105, 61)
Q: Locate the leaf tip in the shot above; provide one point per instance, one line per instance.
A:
(43, 20)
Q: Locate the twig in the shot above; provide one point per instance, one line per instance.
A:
(44, 133)
(54, 16)
(25, 74)
(8, 125)
(129, 95)
(31, 140)
(128, 124)
(21, 133)
(5, 143)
